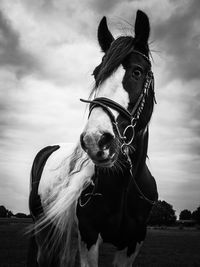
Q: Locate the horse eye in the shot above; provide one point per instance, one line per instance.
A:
(137, 73)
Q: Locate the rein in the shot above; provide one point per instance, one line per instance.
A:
(152, 202)
(132, 117)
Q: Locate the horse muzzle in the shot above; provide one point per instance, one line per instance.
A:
(100, 147)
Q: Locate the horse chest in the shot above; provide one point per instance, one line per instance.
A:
(111, 219)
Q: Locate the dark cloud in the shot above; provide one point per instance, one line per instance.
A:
(179, 38)
(103, 5)
(11, 54)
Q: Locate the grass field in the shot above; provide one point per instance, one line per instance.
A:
(162, 248)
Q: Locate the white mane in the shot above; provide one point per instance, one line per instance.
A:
(59, 204)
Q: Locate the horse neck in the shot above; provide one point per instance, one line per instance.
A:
(138, 158)
(118, 178)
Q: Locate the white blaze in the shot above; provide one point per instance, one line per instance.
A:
(111, 88)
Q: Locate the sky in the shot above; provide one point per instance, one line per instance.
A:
(48, 50)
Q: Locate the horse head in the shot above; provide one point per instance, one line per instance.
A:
(124, 93)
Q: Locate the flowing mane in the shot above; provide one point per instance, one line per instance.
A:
(75, 173)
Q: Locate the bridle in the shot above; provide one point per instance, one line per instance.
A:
(132, 117)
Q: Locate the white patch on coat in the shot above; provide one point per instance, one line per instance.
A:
(89, 258)
(56, 181)
(122, 260)
(51, 171)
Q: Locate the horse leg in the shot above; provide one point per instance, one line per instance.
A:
(42, 257)
(89, 257)
(46, 257)
(32, 252)
(121, 258)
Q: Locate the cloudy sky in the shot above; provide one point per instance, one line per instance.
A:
(48, 49)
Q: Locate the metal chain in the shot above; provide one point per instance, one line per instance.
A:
(92, 194)
(81, 204)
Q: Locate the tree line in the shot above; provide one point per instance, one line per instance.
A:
(162, 214)
(5, 213)
(188, 215)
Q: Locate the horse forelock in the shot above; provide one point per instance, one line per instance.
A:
(118, 51)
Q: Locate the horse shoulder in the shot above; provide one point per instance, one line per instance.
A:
(52, 172)
(44, 174)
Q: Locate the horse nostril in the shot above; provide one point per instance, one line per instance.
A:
(105, 140)
(100, 154)
(82, 141)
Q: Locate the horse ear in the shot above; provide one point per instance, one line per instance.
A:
(105, 37)
(142, 28)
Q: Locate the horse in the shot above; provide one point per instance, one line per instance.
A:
(100, 189)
